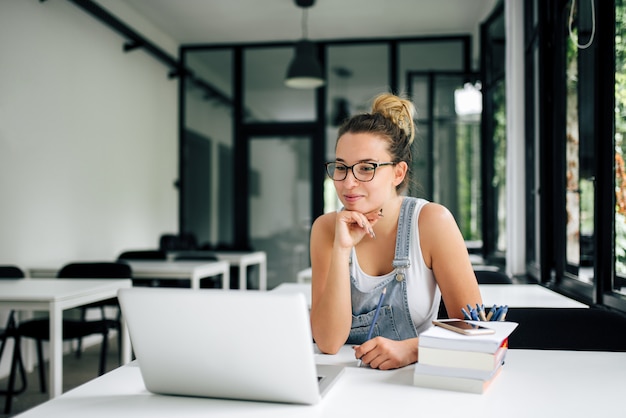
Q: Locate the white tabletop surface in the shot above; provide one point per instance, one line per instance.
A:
(513, 295)
(55, 296)
(193, 271)
(533, 383)
(241, 259)
(525, 296)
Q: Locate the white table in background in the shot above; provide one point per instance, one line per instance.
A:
(239, 259)
(193, 271)
(525, 296)
(513, 295)
(54, 296)
(533, 383)
(244, 259)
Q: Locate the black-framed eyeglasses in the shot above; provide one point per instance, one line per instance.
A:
(363, 171)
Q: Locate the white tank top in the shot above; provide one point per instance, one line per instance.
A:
(423, 294)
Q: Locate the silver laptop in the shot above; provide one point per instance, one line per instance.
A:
(225, 344)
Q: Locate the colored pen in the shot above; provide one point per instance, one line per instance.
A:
(474, 315)
(496, 315)
(466, 314)
(380, 303)
(481, 312)
(502, 316)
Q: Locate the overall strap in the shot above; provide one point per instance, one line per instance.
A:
(403, 238)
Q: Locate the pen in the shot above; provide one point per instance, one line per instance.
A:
(466, 314)
(496, 314)
(380, 303)
(481, 312)
(474, 315)
(503, 312)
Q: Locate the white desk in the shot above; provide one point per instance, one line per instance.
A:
(55, 296)
(193, 271)
(514, 295)
(239, 259)
(533, 383)
(242, 261)
(525, 296)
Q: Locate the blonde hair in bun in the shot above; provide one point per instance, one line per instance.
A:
(400, 111)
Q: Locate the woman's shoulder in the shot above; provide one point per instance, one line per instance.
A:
(325, 221)
(433, 216)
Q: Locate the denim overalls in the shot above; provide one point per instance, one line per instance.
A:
(394, 320)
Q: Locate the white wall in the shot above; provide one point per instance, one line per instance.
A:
(88, 138)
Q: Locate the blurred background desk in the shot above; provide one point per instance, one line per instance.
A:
(193, 271)
(240, 260)
(514, 295)
(54, 296)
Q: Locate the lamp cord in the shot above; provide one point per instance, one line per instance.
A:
(593, 25)
(305, 28)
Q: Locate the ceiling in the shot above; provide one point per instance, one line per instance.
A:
(245, 21)
(212, 22)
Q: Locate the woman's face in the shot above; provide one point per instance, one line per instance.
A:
(366, 196)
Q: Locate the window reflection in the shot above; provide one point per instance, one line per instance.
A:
(266, 97)
(206, 186)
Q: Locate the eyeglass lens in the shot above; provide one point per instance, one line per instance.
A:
(361, 171)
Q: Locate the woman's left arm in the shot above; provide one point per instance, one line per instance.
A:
(445, 252)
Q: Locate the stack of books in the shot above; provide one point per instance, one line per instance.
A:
(452, 361)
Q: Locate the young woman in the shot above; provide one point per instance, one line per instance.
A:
(382, 241)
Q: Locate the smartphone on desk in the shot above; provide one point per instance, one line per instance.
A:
(463, 327)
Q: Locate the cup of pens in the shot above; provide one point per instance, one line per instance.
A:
(496, 313)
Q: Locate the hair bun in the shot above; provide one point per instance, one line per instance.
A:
(400, 111)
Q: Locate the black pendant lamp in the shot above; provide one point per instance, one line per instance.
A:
(304, 71)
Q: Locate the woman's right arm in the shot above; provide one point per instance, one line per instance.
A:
(331, 310)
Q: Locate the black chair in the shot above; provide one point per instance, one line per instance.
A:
(6, 333)
(74, 329)
(181, 242)
(143, 255)
(585, 329)
(149, 255)
(99, 270)
(492, 277)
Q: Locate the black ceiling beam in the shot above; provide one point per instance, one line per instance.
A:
(136, 40)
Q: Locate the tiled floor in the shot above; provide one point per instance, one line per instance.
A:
(76, 371)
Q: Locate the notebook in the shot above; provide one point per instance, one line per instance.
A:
(225, 344)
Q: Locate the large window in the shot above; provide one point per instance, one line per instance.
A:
(579, 84)
(494, 136)
(619, 284)
(579, 170)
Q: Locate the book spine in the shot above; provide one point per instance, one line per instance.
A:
(461, 359)
(427, 369)
(462, 345)
(459, 384)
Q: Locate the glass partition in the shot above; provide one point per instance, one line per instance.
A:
(446, 152)
(430, 55)
(266, 98)
(207, 149)
(280, 204)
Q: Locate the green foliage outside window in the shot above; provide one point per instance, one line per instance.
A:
(620, 130)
